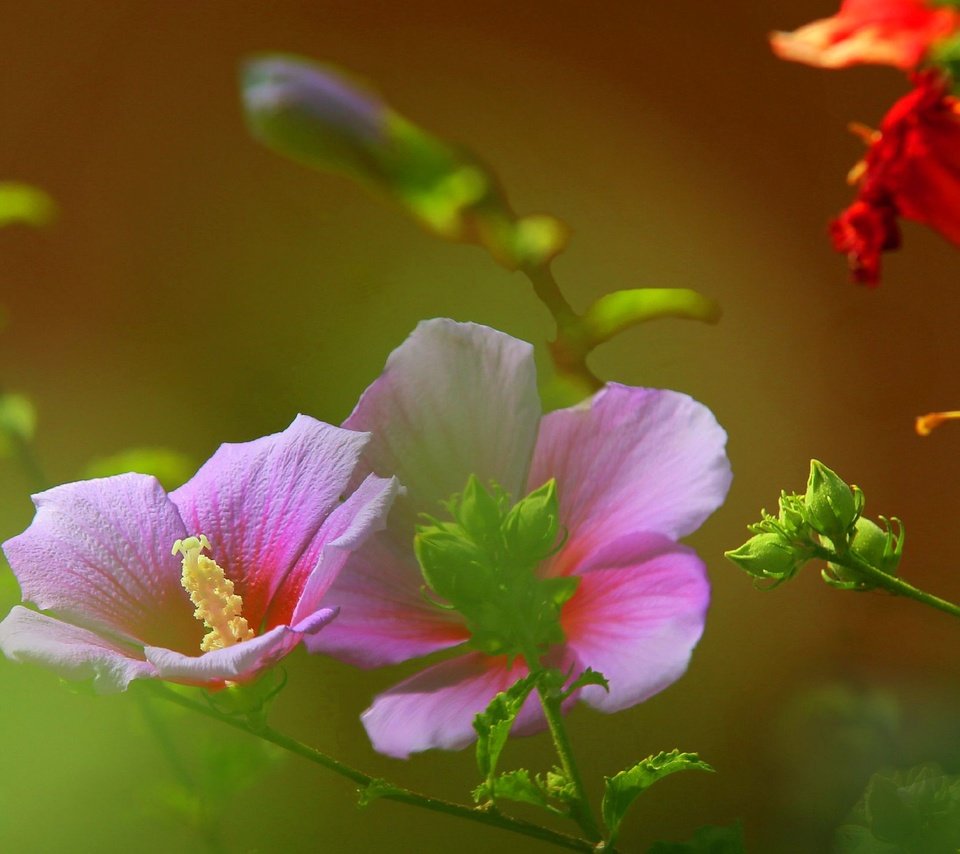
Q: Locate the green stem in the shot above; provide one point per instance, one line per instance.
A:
(552, 704)
(492, 818)
(208, 826)
(891, 583)
(570, 348)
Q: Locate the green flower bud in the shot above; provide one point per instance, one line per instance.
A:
(453, 566)
(768, 555)
(878, 547)
(478, 512)
(832, 507)
(875, 546)
(530, 527)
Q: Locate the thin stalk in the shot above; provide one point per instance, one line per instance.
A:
(580, 811)
(570, 348)
(491, 818)
(891, 583)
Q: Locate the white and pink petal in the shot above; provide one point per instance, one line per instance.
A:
(262, 503)
(98, 554)
(70, 651)
(454, 399)
(632, 459)
(385, 617)
(436, 708)
(638, 613)
(240, 662)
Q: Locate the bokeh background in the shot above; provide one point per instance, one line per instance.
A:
(198, 289)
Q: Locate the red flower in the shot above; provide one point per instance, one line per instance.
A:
(911, 170)
(886, 32)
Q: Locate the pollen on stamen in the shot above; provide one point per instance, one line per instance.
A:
(926, 424)
(211, 592)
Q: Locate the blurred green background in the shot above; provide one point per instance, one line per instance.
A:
(198, 289)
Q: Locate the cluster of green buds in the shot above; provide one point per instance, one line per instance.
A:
(825, 523)
(483, 564)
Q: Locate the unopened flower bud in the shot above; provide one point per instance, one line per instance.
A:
(452, 564)
(831, 506)
(768, 555)
(314, 114)
(530, 528)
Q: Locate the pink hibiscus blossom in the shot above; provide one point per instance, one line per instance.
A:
(635, 468)
(108, 562)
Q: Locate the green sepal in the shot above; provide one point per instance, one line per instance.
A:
(250, 700)
(707, 840)
(484, 565)
(493, 724)
(18, 420)
(621, 790)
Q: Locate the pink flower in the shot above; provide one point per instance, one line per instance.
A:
(635, 468)
(280, 516)
(886, 32)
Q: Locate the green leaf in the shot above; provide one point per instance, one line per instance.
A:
(376, 789)
(26, 205)
(913, 811)
(588, 677)
(707, 840)
(493, 725)
(171, 468)
(622, 789)
(516, 786)
(18, 420)
(560, 787)
(617, 311)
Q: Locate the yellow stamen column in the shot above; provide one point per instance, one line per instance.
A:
(211, 592)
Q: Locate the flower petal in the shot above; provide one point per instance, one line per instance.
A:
(240, 662)
(886, 32)
(455, 399)
(384, 617)
(436, 708)
(72, 652)
(98, 553)
(261, 503)
(343, 531)
(636, 617)
(633, 459)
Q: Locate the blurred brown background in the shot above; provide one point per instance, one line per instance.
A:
(199, 289)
